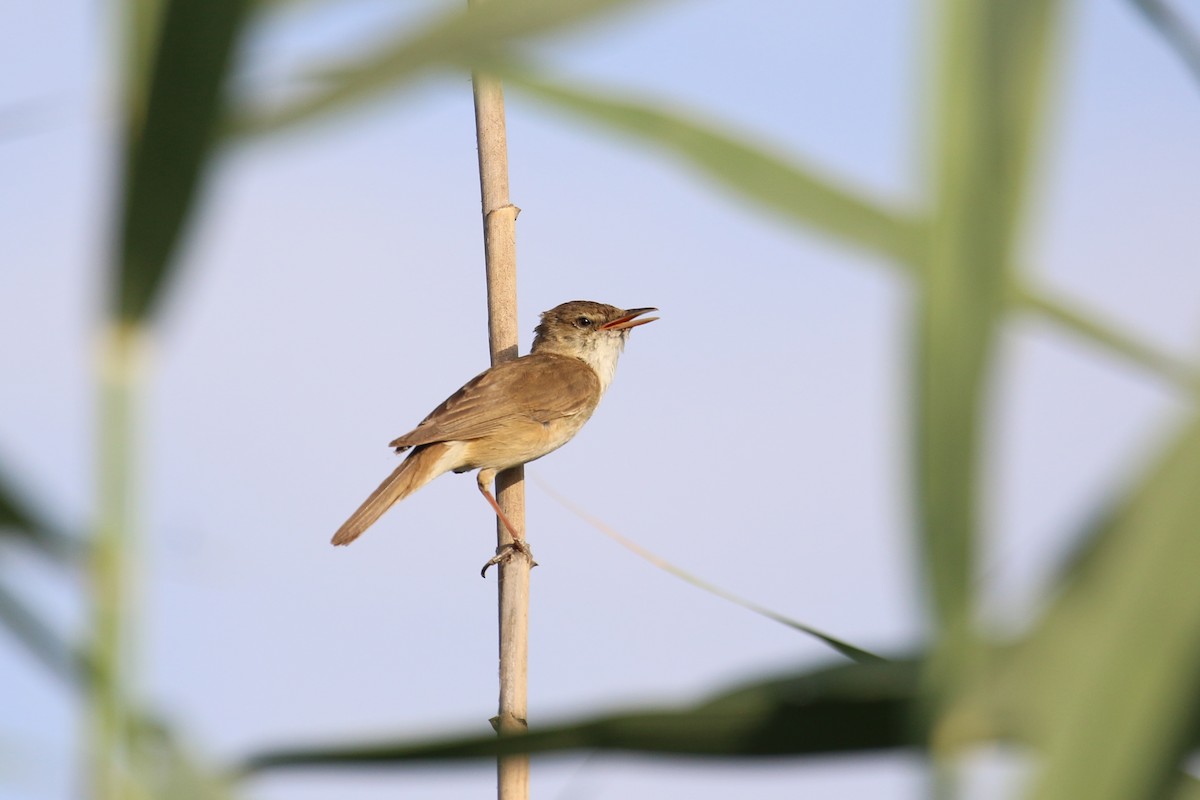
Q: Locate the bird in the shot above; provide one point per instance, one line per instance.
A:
(513, 413)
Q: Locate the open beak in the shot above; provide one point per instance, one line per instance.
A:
(629, 319)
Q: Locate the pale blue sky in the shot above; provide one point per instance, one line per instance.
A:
(334, 294)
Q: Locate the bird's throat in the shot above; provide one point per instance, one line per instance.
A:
(603, 360)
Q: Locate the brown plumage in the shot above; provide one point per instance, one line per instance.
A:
(513, 413)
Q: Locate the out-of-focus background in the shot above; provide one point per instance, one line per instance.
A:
(329, 292)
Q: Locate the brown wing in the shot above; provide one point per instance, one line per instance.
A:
(549, 387)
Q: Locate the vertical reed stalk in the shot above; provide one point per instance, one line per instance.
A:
(499, 232)
(110, 768)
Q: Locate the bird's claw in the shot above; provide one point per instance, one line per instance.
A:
(505, 553)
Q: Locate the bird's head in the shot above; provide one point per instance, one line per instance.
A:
(593, 332)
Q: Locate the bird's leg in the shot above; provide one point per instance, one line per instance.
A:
(483, 480)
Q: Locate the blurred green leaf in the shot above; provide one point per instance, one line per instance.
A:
(40, 639)
(806, 198)
(1175, 31)
(749, 169)
(166, 767)
(993, 57)
(462, 36)
(168, 152)
(802, 196)
(1109, 337)
(844, 709)
(1186, 788)
(20, 519)
(142, 20)
(1108, 678)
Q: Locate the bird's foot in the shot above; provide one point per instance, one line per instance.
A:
(506, 553)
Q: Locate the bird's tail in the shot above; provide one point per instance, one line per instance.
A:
(422, 465)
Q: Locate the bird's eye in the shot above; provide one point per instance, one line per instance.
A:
(583, 322)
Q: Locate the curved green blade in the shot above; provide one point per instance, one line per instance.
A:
(844, 709)
(169, 149)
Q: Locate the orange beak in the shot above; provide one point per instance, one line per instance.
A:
(629, 320)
